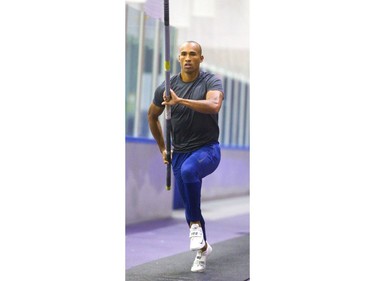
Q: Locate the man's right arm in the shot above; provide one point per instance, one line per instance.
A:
(153, 121)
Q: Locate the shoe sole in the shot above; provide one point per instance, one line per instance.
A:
(201, 270)
(196, 248)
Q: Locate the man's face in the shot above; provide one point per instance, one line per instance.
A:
(190, 57)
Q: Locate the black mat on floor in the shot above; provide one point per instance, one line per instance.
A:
(229, 261)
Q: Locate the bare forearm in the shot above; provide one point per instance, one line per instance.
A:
(202, 106)
(157, 133)
(210, 105)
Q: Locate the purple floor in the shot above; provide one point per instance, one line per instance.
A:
(154, 240)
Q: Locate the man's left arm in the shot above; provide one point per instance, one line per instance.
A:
(210, 105)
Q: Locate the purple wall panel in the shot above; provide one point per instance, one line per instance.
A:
(146, 197)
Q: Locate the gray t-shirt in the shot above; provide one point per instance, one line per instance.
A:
(191, 129)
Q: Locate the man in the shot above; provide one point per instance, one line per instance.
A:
(195, 99)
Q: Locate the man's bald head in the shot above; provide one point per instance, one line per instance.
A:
(195, 43)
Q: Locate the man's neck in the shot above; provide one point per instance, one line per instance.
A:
(189, 77)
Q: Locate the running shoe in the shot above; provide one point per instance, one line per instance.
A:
(199, 264)
(196, 237)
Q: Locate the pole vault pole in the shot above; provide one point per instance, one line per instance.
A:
(167, 92)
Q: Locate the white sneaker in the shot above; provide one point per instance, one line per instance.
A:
(196, 237)
(199, 264)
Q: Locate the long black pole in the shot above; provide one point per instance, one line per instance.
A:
(167, 92)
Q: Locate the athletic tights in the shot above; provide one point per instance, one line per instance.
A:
(189, 169)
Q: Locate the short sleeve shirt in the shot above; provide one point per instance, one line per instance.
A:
(191, 129)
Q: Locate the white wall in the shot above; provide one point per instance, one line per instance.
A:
(220, 26)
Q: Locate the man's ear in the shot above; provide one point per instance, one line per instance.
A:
(202, 58)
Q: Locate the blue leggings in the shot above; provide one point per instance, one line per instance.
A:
(189, 169)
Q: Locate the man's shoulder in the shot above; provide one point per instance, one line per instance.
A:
(172, 79)
(208, 76)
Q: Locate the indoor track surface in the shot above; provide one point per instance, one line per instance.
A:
(159, 250)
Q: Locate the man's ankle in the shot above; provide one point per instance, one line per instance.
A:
(195, 222)
(204, 248)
